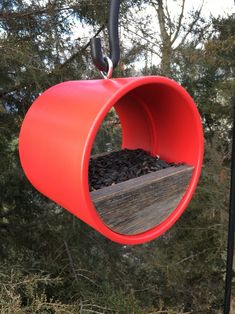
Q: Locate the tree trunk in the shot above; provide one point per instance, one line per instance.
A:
(166, 49)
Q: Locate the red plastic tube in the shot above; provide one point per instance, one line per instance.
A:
(57, 135)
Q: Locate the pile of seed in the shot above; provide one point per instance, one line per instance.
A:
(120, 166)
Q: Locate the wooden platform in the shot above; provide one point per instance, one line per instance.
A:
(139, 204)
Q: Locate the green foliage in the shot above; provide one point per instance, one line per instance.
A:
(53, 263)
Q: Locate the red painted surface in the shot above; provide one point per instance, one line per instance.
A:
(58, 131)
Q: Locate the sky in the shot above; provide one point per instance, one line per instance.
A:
(215, 7)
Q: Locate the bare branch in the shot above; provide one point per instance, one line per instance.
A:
(179, 24)
(191, 256)
(161, 19)
(168, 18)
(191, 26)
(144, 38)
(71, 260)
(37, 11)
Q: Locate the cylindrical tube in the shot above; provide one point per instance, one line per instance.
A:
(58, 132)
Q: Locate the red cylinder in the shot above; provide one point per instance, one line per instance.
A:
(57, 135)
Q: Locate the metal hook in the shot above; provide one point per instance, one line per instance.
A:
(107, 75)
(100, 61)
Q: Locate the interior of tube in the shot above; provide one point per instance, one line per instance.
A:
(158, 119)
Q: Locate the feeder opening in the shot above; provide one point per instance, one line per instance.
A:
(137, 187)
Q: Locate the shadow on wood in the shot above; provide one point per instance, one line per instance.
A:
(139, 204)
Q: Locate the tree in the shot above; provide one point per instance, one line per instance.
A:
(166, 31)
(52, 262)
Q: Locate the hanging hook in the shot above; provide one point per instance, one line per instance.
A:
(101, 62)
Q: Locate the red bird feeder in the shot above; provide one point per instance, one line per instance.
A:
(57, 134)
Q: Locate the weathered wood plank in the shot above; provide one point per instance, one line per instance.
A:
(139, 204)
